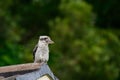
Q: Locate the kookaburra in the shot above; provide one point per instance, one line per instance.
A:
(41, 50)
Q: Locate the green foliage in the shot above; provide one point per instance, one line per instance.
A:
(81, 50)
(21, 22)
(107, 13)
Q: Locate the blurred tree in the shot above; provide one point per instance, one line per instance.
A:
(21, 21)
(81, 50)
(107, 13)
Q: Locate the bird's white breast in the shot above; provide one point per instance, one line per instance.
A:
(42, 53)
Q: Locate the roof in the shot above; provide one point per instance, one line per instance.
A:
(30, 71)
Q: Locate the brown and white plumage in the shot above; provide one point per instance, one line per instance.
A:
(41, 50)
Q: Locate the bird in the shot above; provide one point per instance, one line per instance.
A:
(41, 50)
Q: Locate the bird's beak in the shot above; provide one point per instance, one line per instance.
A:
(51, 42)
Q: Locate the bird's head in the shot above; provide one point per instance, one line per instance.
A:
(45, 39)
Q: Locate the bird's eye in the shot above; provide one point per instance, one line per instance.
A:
(43, 38)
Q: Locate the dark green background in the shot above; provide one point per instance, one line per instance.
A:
(86, 35)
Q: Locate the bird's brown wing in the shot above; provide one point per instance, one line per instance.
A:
(34, 51)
